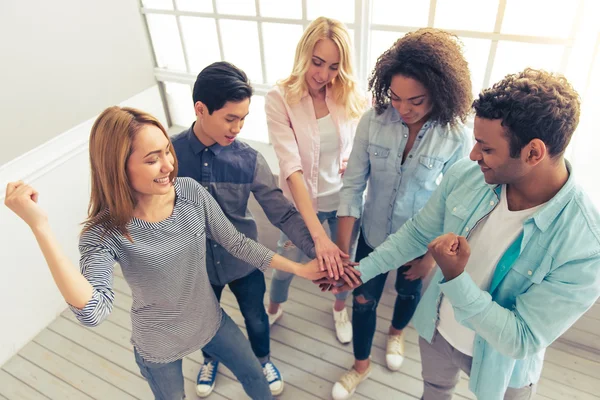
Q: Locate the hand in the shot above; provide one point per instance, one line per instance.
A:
(419, 267)
(350, 280)
(22, 200)
(311, 271)
(344, 166)
(451, 252)
(330, 257)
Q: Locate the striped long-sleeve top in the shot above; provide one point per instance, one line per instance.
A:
(174, 310)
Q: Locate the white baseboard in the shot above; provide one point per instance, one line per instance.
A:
(59, 170)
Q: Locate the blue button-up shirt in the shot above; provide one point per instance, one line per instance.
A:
(231, 174)
(553, 278)
(397, 190)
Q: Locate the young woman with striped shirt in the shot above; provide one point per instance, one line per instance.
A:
(155, 226)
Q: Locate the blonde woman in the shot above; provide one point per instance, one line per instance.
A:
(155, 225)
(312, 118)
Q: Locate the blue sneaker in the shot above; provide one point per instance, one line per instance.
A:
(206, 378)
(273, 377)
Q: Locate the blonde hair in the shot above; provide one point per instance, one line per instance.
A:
(344, 86)
(112, 199)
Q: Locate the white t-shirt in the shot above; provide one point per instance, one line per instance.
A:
(488, 241)
(330, 180)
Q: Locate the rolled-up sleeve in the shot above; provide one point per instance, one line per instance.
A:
(96, 263)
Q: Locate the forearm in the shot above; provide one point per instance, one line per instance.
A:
(304, 205)
(283, 264)
(73, 286)
(295, 229)
(344, 233)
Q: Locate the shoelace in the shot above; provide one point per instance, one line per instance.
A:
(350, 379)
(269, 371)
(395, 345)
(343, 318)
(207, 371)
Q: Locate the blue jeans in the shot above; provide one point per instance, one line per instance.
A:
(250, 292)
(230, 347)
(280, 284)
(364, 315)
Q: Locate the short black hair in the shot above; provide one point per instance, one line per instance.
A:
(532, 104)
(219, 83)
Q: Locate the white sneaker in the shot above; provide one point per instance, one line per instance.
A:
(343, 326)
(274, 317)
(346, 386)
(394, 354)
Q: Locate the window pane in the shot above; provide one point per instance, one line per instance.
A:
(380, 42)
(236, 7)
(201, 42)
(158, 4)
(195, 5)
(242, 50)
(342, 10)
(354, 51)
(180, 103)
(585, 144)
(513, 57)
(549, 17)
(477, 52)
(255, 127)
(166, 41)
(401, 12)
(450, 14)
(280, 47)
(281, 9)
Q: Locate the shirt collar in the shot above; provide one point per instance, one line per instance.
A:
(397, 118)
(545, 216)
(197, 146)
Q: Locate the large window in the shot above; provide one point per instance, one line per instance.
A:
(260, 37)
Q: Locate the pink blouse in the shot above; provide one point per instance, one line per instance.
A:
(294, 133)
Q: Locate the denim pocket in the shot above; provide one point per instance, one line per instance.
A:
(378, 156)
(428, 169)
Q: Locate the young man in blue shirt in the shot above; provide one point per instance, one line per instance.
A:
(516, 240)
(231, 170)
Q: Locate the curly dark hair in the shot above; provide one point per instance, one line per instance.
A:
(435, 59)
(532, 104)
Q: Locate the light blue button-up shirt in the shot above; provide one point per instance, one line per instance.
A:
(396, 191)
(551, 282)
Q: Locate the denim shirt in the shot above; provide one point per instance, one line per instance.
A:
(552, 281)
(397, 191)
(231, 174)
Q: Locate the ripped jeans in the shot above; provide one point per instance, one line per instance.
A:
(364, 315)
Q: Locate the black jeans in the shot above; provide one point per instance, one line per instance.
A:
(250, 292)
(364, 315)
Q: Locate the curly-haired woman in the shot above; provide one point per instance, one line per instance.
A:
(421, 89)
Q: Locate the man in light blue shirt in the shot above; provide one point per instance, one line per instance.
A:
(516, 240)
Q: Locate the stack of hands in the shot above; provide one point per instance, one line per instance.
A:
(450, 252)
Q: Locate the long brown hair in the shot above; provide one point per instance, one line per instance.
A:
(112, 199)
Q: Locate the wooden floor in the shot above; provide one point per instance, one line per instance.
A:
(69, 361)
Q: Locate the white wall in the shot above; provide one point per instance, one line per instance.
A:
(59, 170)
(62, 62)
